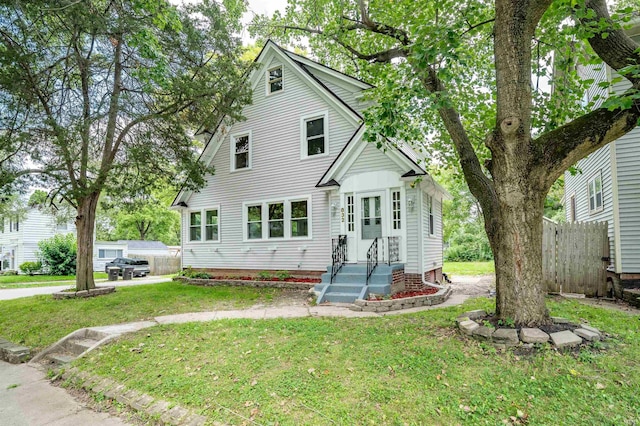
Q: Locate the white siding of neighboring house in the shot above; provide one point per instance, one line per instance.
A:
(98, 262)
(599, 161)
(277, 172)
(33, 228)
(431, 243)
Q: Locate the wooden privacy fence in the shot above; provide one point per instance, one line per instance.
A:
(575, 257)
(162, 265)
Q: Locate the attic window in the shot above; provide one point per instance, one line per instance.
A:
(314, 135)
(241, 151)
(274, 79)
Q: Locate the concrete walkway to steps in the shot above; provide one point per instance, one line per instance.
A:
(27, 398)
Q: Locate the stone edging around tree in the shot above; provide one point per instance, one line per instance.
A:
(245, 283)
(405, 303)
(508, 337)
(164, 412)
(98, 291)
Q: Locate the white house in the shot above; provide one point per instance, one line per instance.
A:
(19, 236)
(607, 185)
(106, 251)
(297, 188)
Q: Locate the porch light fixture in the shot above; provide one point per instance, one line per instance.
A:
(334, 208)
(411, 203)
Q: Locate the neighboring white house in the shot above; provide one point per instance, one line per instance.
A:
(19, 236)
(106, 251)
(296, 174)
(607, 187)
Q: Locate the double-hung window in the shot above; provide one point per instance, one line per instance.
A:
(241, 151)
(299, 219)
(276, 220)
(109, 253)
(284, 219)
(595, 193)
(315, 135)
(254, 222)
(211, 225)
(275, 80)
(195, 226)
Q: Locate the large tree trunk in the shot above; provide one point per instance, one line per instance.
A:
(85, 223)
(517, 250)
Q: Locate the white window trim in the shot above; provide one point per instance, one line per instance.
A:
(203, 226)
(287, 219)
(303, 134)
(267, 87)
(232, 151)
(597, 209)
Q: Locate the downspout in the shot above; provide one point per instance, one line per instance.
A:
(422, 267)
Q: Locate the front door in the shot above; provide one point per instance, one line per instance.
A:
(369, 223)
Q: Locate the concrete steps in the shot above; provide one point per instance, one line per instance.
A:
(351, 283)
(70, 348)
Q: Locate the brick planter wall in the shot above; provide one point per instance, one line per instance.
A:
(245, 283)
(397, 283)
(404, 303)
(413, 282)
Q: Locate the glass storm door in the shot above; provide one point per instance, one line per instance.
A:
(370, 223)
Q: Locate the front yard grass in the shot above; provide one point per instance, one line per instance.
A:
(404, 369)
(21, 281)
(468, 268)
(39, 321)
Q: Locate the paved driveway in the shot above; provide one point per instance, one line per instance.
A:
(16, 293)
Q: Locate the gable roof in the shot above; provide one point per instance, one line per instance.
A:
(400, 152)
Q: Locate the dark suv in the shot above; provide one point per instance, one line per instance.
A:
(140, 266)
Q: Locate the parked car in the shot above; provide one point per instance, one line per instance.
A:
(140, 266)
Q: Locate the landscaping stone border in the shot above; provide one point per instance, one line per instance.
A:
(245, 283)
(167, 413)
(502, 338)
(12, 353)
(98, 291)
(404, 303)
(631, 296)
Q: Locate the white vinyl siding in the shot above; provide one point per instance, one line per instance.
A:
(372, 159)
(432, 235)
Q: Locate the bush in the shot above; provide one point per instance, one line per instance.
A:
(58, 254)
(31, 268)
(468, 243)
(9, 272)
(188, 272)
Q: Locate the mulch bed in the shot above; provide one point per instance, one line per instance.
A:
(405, 294)
(289, 280)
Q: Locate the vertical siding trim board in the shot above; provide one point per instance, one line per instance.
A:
(616, 209)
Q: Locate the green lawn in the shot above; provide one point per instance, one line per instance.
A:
(39, 321)
(468, 268)
(406, 369)
(19, 281)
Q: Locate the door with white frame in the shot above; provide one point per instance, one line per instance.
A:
(370, 222)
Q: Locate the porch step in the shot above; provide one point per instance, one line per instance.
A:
(338, 297)
(79, 346)
(361, 268)
(358, 278)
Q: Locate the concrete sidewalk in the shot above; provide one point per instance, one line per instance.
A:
(16, 293)
(28, 399)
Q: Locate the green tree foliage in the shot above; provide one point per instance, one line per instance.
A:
(472, 79)
(58, 254)
(104, 96)
(143, 217)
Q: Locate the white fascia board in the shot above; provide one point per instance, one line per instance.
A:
(428, 182)
(347, 158)
(272, 48)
